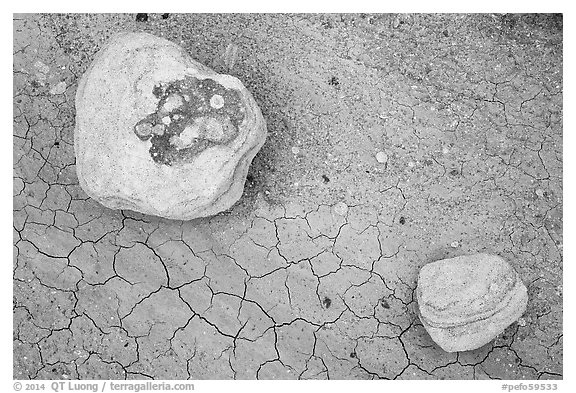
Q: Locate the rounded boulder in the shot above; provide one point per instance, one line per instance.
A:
(159, 133)
(465, 302)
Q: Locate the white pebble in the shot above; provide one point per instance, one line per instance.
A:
(341, 208)
(217, 101)
(411, 164)
(295, 150)
(454, 244)
(166, 120)
(381, 157)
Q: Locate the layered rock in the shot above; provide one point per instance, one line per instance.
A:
(465, 302)
(159, 133)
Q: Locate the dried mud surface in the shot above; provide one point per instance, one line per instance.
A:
(312, 274)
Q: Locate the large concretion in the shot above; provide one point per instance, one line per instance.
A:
(465, 302)
(159, 133)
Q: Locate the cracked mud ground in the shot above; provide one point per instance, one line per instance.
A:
(290, 283)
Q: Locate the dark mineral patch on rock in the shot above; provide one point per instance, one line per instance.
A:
(192, 115)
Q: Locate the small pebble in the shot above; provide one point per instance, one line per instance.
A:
(381, 157)
(540, 192)
(231, 56)
(58, 88)
(295, 150)
(411, 164)
(158, 129)
(144, 129)
(341, 208)
(166, 120)
(454, 244)
(42, 68)
(172, 103)
(522, 322)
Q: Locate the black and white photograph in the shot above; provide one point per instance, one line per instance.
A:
(287, 196)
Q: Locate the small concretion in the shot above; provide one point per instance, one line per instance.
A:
(381, 157)
(465, 302)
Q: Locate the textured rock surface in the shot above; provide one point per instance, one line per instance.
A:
(467, 301)
(159, 133)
